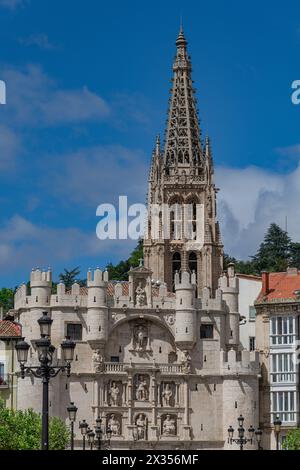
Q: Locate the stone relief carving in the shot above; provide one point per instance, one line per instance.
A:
(171, 319)
(140, 341)
(141, 427)
(140, 296)
(168, 395)
(114, 424)
(115, 393)
(98, 361)
(142, 388)
(186, 362)
(169, 426)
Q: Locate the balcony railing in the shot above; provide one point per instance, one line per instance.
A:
(112, 367)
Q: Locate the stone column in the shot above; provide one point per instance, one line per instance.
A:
(177, 394)
(105, 393)
(130, 399)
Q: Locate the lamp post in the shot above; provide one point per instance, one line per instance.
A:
(102, 436)
(72, 410)
(258, 435)
(91, 438)
(45, 371)
(241, 440)
(277, 428)
(83, 426)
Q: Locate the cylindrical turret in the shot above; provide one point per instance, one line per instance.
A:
(40, 285)
(185, 331)
(97, 311)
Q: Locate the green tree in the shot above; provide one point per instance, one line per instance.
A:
(6, 299)
(295, 255)
(119, 271)
(69, 277)
(21, 430)
(274, 252)
(241, 267)
(292, 440)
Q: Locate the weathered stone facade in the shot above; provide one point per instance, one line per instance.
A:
(142, 357)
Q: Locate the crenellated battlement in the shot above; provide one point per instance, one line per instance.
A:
(40, 278)
(97, 278)
(185, 280)
(239, 362)
(207, 302)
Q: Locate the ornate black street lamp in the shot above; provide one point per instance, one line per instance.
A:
(258, 435)
(91, 438)
(72, 410)
(277, 429)
(241, 440)
(45, 370)
(83, 426)
(101, 436)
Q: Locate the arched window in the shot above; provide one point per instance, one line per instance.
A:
(193, 263)
(176, 221)
(176, 265)
(191, 220)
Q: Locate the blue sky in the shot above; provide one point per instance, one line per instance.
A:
(87, 92)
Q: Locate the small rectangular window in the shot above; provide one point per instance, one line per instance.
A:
(252, 313)
(207, 331)
(252, 343)
(114, 359)
(74, 331)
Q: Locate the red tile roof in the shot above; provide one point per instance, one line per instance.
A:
(9, 329)
(282, 287)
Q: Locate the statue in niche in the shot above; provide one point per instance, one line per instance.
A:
(169, 426)
(167, 395)
(140, 295)
(98, 361)
(141, 424)
(114, 394)
(186, 362)
(142, 391)
(140, 338)
(113, 424)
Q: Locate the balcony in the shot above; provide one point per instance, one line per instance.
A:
(119, 367)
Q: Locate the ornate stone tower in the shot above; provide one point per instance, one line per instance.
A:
(183, 234)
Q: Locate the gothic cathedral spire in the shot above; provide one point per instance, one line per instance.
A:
(181, 179)
(183, 137)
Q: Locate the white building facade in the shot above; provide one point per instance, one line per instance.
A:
(249, 289)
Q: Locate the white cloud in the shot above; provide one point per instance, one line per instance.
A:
(33, 98)
(24, 245)
(251, 199)
(92, 176)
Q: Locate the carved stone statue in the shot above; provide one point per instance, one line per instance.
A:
(141, 424)
(114, 425)
(167, 394)
(140, 296)
(142, 392)
(140, 338)
(98, 361)
(186, 362)
(169, 426)
(114, 394)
